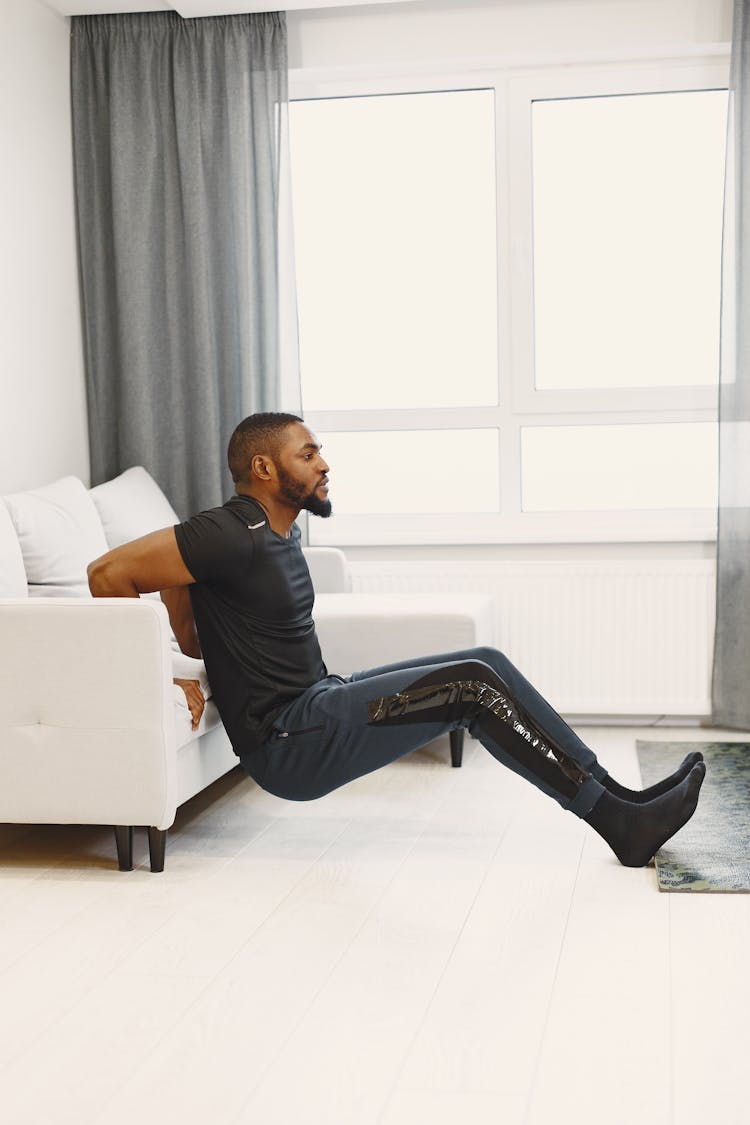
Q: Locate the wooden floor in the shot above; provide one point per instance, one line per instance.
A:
(426, 946)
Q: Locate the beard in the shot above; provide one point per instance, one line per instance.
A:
(294, 493)
(317, 507)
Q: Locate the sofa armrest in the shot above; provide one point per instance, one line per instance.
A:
(106, 659)
(86, 712)
(329, 570)
(358, 631)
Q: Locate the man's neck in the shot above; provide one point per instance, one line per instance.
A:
(280, 518)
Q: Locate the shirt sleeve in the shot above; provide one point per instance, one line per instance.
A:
(210, 546)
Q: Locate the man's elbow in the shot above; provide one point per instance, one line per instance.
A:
(97, 576)
(106, 580)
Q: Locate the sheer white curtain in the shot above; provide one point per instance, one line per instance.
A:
(731, 674)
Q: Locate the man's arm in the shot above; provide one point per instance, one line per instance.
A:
(180, 610)
(150, 563)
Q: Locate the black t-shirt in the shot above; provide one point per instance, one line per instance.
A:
(252, 601)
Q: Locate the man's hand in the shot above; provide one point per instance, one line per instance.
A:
(195, 699)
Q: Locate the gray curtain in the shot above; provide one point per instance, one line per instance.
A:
(731, 672)
(180, 150)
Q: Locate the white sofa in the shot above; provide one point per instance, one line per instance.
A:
(92, 729)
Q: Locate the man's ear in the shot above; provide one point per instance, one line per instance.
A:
(261, 466)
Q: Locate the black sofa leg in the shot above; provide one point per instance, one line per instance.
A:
(124, 842)
(457, 746)
(157, 846)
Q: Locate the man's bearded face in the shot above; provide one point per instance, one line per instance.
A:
(299, 494)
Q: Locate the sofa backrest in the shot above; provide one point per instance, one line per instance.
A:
(12, 573)
(132, 505)
(49, 535)
(59, 532)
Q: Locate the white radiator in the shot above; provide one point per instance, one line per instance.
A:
(601, 637)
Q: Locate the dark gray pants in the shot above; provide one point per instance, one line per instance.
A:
(339, 729)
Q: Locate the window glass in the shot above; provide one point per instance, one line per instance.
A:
(404, 471)
(627, 205)
(395, 244)
(589, 468)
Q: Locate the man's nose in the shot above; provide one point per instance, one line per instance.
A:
(324, 465)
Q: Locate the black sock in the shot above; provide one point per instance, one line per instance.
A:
(635, 832)
(642, 796)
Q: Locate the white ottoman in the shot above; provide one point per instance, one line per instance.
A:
(358, 631)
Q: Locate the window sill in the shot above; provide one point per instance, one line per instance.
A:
(547, 527)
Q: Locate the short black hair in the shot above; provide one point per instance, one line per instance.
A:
(258, 433)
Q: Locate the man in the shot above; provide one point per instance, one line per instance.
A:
(238, 591)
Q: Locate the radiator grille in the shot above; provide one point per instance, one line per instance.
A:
(603, 637)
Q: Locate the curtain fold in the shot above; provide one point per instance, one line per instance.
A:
(181, 152)
(731, 668)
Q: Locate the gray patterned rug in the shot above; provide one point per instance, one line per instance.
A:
(712, 851)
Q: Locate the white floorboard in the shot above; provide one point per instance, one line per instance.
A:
(425, 946)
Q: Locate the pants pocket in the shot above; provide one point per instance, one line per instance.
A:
(279, 732)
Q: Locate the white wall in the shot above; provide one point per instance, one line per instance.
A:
(42, 401)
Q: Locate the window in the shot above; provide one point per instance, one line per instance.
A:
(617, 467)
(509, 303)
(628, 195)
(394, 207)
(370, 476)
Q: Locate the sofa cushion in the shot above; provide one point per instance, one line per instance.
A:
(59, 533)
(132, 505)
(12, 574)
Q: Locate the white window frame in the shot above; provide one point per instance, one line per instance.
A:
(519, 403)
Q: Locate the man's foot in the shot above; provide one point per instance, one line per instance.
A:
(634, 831)
(643, 796)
